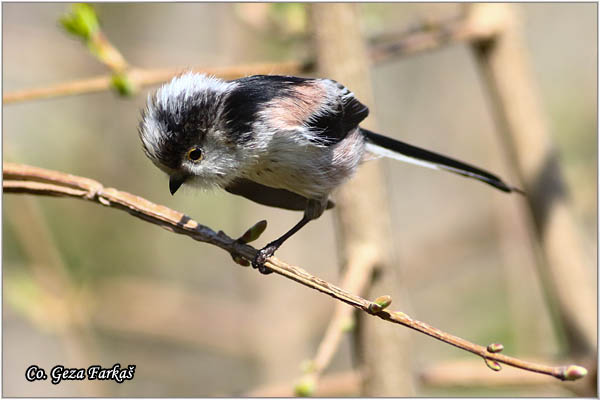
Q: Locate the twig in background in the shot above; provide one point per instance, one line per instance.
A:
(384, 48)
(126, 79)
(19, 178)
(467, 373)
(470, 27)
(83, 23)
(147, 77)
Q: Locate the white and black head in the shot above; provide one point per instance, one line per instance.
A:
(184, 132)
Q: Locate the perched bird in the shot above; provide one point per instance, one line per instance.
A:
(281, 141)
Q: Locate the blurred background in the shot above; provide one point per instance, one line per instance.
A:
(87, 285)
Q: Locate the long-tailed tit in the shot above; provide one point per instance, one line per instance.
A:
(281, 141)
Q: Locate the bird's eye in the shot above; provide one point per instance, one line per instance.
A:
(195, 154)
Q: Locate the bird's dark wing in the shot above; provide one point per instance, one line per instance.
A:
(328, 109)
(344, 113)
(269, 196)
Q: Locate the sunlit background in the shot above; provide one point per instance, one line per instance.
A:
(87, 285)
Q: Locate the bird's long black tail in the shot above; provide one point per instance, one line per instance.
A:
(387, 147)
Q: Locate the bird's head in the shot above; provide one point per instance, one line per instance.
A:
(184, 132)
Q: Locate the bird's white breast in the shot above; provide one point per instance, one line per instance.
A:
(310, 170)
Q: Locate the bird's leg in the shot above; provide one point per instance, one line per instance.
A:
(314, 209)
(271, 248)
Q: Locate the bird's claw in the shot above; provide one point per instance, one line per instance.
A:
(261, 257)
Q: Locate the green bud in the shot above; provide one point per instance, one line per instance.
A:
(493, 365)
(574, 372)
(305, 388)
(495, 347)
(380, 304)
(384, 301)
(123, 84)
(81, 22)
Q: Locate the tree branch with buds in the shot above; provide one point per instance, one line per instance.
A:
(24, 179)
(126, 78)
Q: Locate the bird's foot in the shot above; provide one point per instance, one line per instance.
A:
(261, 257)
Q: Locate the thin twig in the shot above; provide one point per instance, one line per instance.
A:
(430, 36)
(383, 48)
(19, 178)
(146, 77)
(467, 373)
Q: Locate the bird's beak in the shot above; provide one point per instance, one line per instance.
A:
(175, 181)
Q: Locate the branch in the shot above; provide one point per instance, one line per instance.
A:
(146, 77)
(19, 178)
(384, 47)
(467, 373)
(432, 35)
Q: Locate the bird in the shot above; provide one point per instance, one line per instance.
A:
(281, 141)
